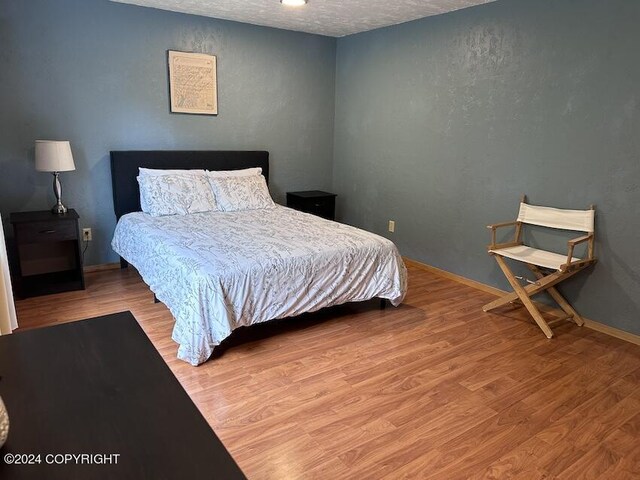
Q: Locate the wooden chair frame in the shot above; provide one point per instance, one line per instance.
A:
(545, 281)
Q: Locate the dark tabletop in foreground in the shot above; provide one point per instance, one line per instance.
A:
(98, 387)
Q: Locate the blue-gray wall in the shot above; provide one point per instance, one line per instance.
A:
(442, 123)
(95, 73)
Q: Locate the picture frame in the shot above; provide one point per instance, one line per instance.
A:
(193, 83)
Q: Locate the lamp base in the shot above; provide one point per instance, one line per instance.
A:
(59, 209)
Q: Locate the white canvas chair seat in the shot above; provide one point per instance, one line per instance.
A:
(565, 266)
(541, 258)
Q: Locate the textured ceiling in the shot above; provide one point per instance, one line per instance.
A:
(335, 18)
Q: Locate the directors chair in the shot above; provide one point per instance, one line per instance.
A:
(549, 268)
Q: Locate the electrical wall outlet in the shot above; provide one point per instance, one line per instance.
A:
(392, 226)
(87, 235)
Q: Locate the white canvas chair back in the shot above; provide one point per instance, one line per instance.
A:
(577, 220)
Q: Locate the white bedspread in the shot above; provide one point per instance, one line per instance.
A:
(217, 271)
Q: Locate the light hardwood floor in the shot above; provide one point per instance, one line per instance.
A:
(433, 389)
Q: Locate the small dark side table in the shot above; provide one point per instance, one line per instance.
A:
(317, 202)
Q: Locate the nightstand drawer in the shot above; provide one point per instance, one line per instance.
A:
(316, 202)
(43, 232)
(323, 207)
(321, 203)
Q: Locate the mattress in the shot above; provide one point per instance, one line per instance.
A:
(217, 271)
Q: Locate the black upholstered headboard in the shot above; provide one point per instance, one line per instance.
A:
(125, 164)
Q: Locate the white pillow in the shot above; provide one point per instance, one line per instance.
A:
(175, 195)
(245, 172)
(241, 193)
(148, 172)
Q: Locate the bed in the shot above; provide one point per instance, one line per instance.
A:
(218, 271)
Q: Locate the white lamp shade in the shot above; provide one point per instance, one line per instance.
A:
(54, 156)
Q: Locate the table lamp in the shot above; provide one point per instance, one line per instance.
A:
(55, 157)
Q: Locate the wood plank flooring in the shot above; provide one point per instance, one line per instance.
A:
(434, 389)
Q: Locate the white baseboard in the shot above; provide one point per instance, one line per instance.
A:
(592, 324)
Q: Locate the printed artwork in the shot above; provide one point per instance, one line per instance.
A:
(193, 83)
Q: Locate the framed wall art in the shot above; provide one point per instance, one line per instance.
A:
(193, 83)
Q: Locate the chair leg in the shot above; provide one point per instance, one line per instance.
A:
(565, 306)
(531, 290)
(524, 297)
(560, 300)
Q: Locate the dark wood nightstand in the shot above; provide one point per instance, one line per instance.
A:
(317, 202)
(49, 255)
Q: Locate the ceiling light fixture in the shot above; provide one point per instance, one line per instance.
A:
(294, 3)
